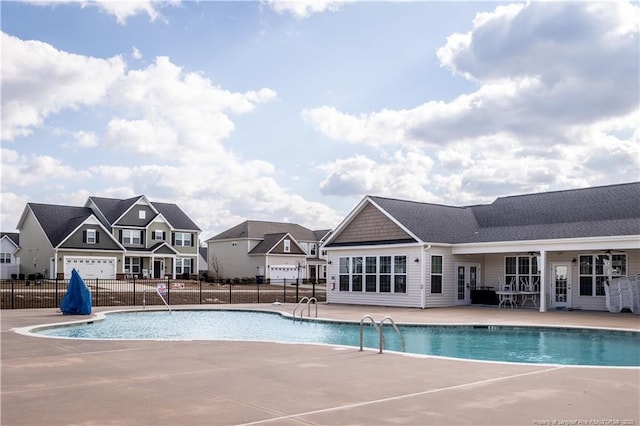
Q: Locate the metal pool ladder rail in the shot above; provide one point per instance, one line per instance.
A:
(380, 329)
(307, 304)
(144, 299)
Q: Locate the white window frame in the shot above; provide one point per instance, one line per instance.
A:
(313, 249)
(129, 237)
(601, 271)
(142, 214)
(287, 246)
(180, 265)
(181, 238)
(91, 236)
(5, 257)
(350, 266)
(157, 235)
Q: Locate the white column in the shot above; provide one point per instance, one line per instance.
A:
(543, 281)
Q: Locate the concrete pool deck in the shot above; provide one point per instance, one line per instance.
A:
(87, 382)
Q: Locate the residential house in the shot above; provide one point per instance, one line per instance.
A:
(108, 238)
(202, 259)
(562, 246)
(273, 250)
(9, 262)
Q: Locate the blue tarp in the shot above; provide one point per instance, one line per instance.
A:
(77, 301)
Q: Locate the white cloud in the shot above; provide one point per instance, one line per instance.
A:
(38, 80)
(121, 10)
(556, 104)
(86, 139)
(135, 53)
(20, 170)
(168, 113)
(404, 174)
(306, 8)
(12, 206)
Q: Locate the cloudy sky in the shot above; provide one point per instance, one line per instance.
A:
(293, 111)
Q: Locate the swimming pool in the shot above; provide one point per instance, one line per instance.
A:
(536, 345)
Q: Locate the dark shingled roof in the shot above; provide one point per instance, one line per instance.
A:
(59, 221)
(13, 236)
(589, 212)
(113, 208)
(175, 216)
(256, 229)
(267, 244)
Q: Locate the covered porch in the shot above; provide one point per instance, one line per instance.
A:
(570, 274)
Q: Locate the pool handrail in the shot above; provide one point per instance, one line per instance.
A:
(308, 301)
(395, 327)
(163, 299)
(380, 329)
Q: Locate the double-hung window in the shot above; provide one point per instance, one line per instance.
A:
(356, 274)
(597, 269)
(158, 235)
(436, 274)
(182, 239)
(371, 278)
(373, 274)
(183, 265)
(91, 236)
(521, 272)
(132, 265)
(5, 257)
(131, 237)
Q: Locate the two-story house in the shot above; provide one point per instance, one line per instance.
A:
(108, 238)
(273, 250)
(9, 262)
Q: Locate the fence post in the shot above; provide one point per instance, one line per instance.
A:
(97, 287)
(297, 290)
(230, 284)
(313, 288)
(56, 292)
(258, 291)
(134, 291)
(200, 281)
(168, 290)
(13, 286)
(284, 289)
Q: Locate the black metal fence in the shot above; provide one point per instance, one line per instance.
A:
(28, 294)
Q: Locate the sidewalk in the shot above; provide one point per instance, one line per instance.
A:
(84, 382)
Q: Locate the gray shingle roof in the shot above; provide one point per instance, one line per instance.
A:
(113, 208)
(589, 212)
(59, 221)
(256, 229)
(13, 236)
(267, 244)
(175, 216)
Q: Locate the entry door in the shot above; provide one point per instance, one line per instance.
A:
(561, 285)
(467, 279)
(158, 269)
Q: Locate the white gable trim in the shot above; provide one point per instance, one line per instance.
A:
(91, 220)
(355, 212)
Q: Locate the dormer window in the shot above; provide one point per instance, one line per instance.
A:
(287, 246)
(91, 236)
(312, 249)
(142, 214)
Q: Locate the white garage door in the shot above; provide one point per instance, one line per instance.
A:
(283, 272)
(91, 267)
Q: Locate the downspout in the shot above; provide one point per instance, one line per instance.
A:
(543, 281)
(423, 296)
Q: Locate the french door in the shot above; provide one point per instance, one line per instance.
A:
(560, 285)
(467, 279)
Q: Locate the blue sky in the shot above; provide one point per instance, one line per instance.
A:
(293, 111)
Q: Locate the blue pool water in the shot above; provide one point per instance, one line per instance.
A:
(490, 343)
